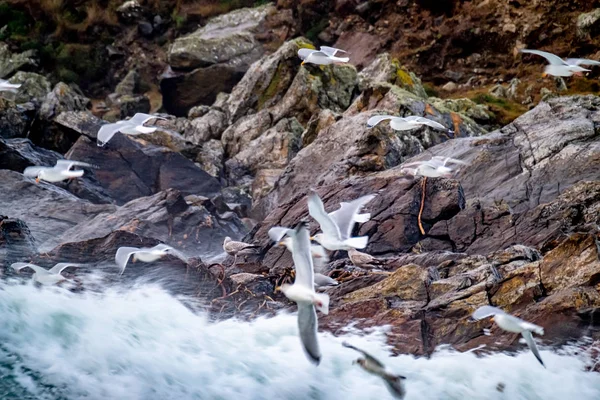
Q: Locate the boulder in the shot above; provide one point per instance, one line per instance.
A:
(588, 23)
(16, 242)
(11, 62)
(34, 87)
(15, 119)
(216, 56)
(387, 69)
(194, 228)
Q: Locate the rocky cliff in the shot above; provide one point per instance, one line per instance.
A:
(247, 131)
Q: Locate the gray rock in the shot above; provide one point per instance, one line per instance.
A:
(34, 87)
(209, 126)
(211, 158)
(129, 84)
(588, 22)
(11, 62)
(15, 120)
(63, 98)
(386, 69)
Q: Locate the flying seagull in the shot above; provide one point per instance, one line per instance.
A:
(43, 275)
(233, 248)
(60, 172)
(324, 56)
(318, 254)
(303, 292)
(132, 126)
(559, 67)
(146, 254)
(435, 167)
(406, 123)
(394, 383)
(337, 226)
(513, 324)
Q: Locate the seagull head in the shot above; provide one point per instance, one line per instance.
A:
(317, 238)
(39, 176)
(284, 288)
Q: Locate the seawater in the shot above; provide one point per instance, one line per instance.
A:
(143, 343)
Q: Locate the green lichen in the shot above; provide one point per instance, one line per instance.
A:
(273, 87)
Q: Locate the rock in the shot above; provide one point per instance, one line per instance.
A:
(208, 126)
(11, 62)
(546, 94)
(513, 88)
(362, 46)
(561, 86)
(316, 124)
(130, 105)
(211, 158)
(198, 111)
(16, 242)
(217, 55)
(15, 120)
(165, 216)
(273, 149)
(386, 69)
(498, 91)
(130, 169)
(34, 87)
(222, 39)
(588, 23)
(128, 85)
(145, 28)
(450, 87)
(479, 113)
(56, 210)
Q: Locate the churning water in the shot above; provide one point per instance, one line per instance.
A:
(143, 343)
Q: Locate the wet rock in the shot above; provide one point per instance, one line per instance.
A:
(16, 242)
(130, 169)
(165, 216)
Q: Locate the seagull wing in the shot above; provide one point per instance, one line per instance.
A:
(376, 119)
(58, 268)
(34, 171)
(425, 121)
(324, 280)
(171, 250)
(446, 160)
(277, 233)
(345, 216)
(67, 164)
(307, 325)
(316, 209)
(331, 51)
(107, 131)
(141, 118)
(122, 256)
(304, 53)
(553, 59)
(486, 311)
(364, 353)
(531, 343)
(20, 265)
(581, 61)
(302, 256)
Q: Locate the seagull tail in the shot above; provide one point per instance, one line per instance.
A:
(357, 242)
(322, 300)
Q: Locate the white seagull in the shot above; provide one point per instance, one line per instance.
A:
(406, 123)
(433, 168)
(559, 67)
(43, 275)
(318, 254)
(303, 292)
(512, 324)
(324, 56)
(132, 126)
(146, 254)
(61, 171)
(337, 226)
(394, 383)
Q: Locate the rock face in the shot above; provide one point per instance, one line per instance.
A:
(517, 229)
(217, 56)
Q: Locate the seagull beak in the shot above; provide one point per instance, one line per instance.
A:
(544, 75)
(277, 289)
(281, 244)
(303, 62)
(312, 238)
(492, 319)
(37, 180)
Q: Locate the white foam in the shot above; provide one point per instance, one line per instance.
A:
(144, 344)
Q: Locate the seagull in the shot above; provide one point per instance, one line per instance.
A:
(337, 226)
(61, 171)
(146, 254)
(303, 292)
(317, 252)
(513, 324)
(43, 275)
(6, 86)
(233, 248)
(132, 126)
(394, 383)
(433, 168)
(363, 260)
(406, 123)
(560, 67)
(324, 56)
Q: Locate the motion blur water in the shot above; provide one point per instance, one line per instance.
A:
(143, 343)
